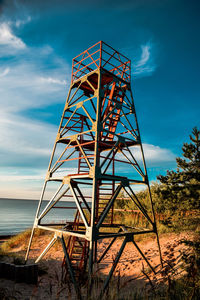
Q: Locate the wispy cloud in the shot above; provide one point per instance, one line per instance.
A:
(145, 65)
(4, 72)
(20, 135)
(7, 37)
(27, 83)
(24, 183)
(154, 155)
(53, 80)
(31, 84)
(21, 22)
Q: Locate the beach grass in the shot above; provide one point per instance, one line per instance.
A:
(20, 239)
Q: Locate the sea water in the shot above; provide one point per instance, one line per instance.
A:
(18, 215)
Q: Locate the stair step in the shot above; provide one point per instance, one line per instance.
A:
(76, 255)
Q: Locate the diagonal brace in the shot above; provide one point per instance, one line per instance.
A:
(71, 271)
(144, 257)
(109, 246)
(113, 268)
(48, 247)
(78, 205)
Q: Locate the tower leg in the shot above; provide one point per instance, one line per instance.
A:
(29, 244)
(36, 216)
(155, 226)
(91, 258)
(71, 269)
(159, 249)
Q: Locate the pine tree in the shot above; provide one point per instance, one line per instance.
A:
(180, 189)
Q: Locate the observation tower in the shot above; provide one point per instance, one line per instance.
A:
(97, 161)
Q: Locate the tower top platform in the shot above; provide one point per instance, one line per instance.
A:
(101, 55)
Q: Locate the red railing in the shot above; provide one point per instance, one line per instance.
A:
(101, 55)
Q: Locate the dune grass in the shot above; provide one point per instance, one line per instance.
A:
(20, 239)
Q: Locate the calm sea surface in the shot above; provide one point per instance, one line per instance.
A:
(18, 215)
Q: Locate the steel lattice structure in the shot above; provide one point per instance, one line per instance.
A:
(99, 139)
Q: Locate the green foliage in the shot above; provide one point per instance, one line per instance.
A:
(157, 198)
(181, 188)
(177, 193)
(122, 202)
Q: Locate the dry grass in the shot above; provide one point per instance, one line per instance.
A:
(122, 286)
(20, 239)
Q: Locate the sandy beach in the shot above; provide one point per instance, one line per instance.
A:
(132, 272)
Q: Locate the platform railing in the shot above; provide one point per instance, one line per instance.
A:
(101, 55)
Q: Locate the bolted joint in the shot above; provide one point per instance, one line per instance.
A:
(121, 139)
(125, 182)
(80, 104)
(74, 137)
(88, 233)
(155, 228)
(66, 105)
(48, 175)
(145, 179)
(95, 172)
(129, 237)
(92, 234)
(36, 222)
(138, 140)
(91, 172)
(58, 137)
(66, 180)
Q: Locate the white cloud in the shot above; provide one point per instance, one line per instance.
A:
(144, 56)
(32, 175)
(7, 37)
(21, 183)
(52, 80)
(145, 65)
(4, 72)
(25, 183)
(20, 22)
(25, 137)
(19, 177)
(28, 88)
(157, 154)
(153, 154)
(26, 83)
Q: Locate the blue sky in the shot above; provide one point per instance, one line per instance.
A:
(38, 40)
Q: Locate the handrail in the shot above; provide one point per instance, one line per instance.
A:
(103, 56)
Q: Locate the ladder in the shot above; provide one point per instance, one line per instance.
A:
(105, 192)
